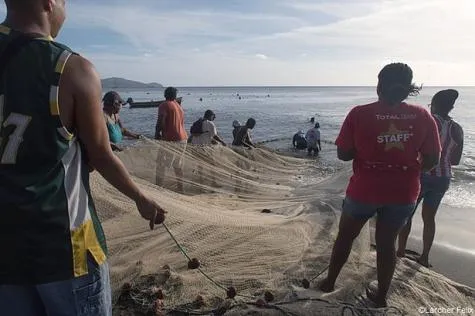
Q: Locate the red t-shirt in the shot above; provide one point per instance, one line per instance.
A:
(388, 143)
(174, 127)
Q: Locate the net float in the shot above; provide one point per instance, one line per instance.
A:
(268, 296)
(231, 292)
(194, 264)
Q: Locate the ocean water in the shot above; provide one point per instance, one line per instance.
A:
(281, 111)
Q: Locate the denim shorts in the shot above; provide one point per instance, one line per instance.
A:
(395, 215)
(89, 295)
(433, 189)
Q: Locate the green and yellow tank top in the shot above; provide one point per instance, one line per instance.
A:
(48, 222)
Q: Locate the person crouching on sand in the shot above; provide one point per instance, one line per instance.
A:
(112, 104)
(385, 140)
(436, 182)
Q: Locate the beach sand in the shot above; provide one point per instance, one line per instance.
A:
(240, 246)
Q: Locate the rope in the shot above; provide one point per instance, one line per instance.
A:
(182, 250)
(355, 310)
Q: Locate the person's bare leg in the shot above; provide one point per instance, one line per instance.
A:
(386, 261)
(402, 240)
(349, 229)
(428, 216)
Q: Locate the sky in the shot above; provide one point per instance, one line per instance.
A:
(273, 42)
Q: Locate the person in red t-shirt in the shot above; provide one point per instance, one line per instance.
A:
(171, 128)
(390, 143)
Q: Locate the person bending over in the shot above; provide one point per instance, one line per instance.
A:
(204, 131)
(299, 140)
(243, 136)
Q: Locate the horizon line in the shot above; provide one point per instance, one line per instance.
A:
(293, 86)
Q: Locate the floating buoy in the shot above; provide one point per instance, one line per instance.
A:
(268, 296)
(194, 264)
(305, 283)
(231, 292)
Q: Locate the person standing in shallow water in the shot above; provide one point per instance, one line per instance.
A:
(54, 254)
(313, 140)
(385, 140)
(436, 182)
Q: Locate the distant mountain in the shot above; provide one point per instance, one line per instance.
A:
(121, 83)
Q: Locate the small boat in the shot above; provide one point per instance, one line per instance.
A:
(147, 104)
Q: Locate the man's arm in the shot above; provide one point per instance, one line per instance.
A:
(161, 119)
(83, 83)
(294, 140)
(219, 140)
(319, 145)
(457, 133)
(247, 141)
(211, 128)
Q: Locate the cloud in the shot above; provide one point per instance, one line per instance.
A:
(338, 42)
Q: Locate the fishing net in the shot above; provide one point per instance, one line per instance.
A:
(256, 220)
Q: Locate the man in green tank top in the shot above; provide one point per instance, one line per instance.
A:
(54, 256)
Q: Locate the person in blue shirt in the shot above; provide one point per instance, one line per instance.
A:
(112, 104)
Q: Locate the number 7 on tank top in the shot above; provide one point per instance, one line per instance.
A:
(9, 153)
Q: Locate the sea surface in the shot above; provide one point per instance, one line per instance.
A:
(282, 111)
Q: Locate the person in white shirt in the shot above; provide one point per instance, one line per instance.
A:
(207, 134)
(313, 140)
(204, 133)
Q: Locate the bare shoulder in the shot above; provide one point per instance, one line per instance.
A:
(81, 80)
(80, 71)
